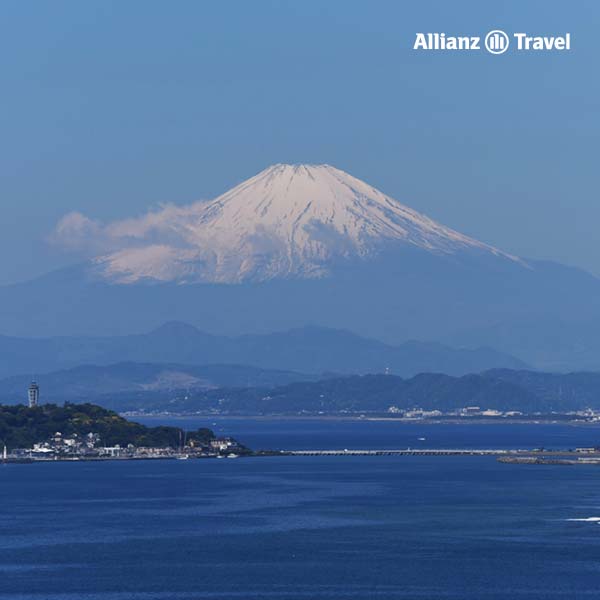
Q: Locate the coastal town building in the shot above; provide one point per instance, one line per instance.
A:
(89, 447)
(223, 444)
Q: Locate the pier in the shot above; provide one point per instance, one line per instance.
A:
(580, 456)
(404, 452)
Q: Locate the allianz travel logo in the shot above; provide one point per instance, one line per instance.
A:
(495, 41)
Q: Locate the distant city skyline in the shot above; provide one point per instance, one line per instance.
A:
(111, 109)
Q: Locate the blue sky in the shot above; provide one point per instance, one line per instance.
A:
(109, 108)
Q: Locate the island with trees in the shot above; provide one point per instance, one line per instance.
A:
(87, 431)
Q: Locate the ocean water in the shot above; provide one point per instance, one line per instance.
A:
(302, 434)
(456, 528)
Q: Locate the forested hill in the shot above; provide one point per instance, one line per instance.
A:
(501, 389)
(505, 389)
(21, 427)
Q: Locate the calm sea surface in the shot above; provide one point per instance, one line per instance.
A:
(300, 434)
(455, 528)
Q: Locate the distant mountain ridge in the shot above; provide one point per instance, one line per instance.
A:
(238, 389)
(90, 382)
(504, 390)
(305, 350)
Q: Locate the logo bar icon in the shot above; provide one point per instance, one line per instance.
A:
(497, 42)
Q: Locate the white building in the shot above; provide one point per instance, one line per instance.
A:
(222, 444)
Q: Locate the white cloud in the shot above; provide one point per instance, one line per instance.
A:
(76, 232)
(170, 225)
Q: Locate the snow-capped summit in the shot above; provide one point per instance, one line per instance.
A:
(289, 221)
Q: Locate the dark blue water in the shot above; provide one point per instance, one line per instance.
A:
(301, 434)
(456, 528)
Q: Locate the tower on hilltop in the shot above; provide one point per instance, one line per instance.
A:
(33, 394)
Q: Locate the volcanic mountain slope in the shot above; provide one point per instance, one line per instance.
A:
(288, 221)
(299, 245)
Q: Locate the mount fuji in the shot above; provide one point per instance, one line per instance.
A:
(289, 221)
(300, 245)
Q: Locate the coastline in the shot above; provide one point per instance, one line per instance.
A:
(558, 420)
(507, 456)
